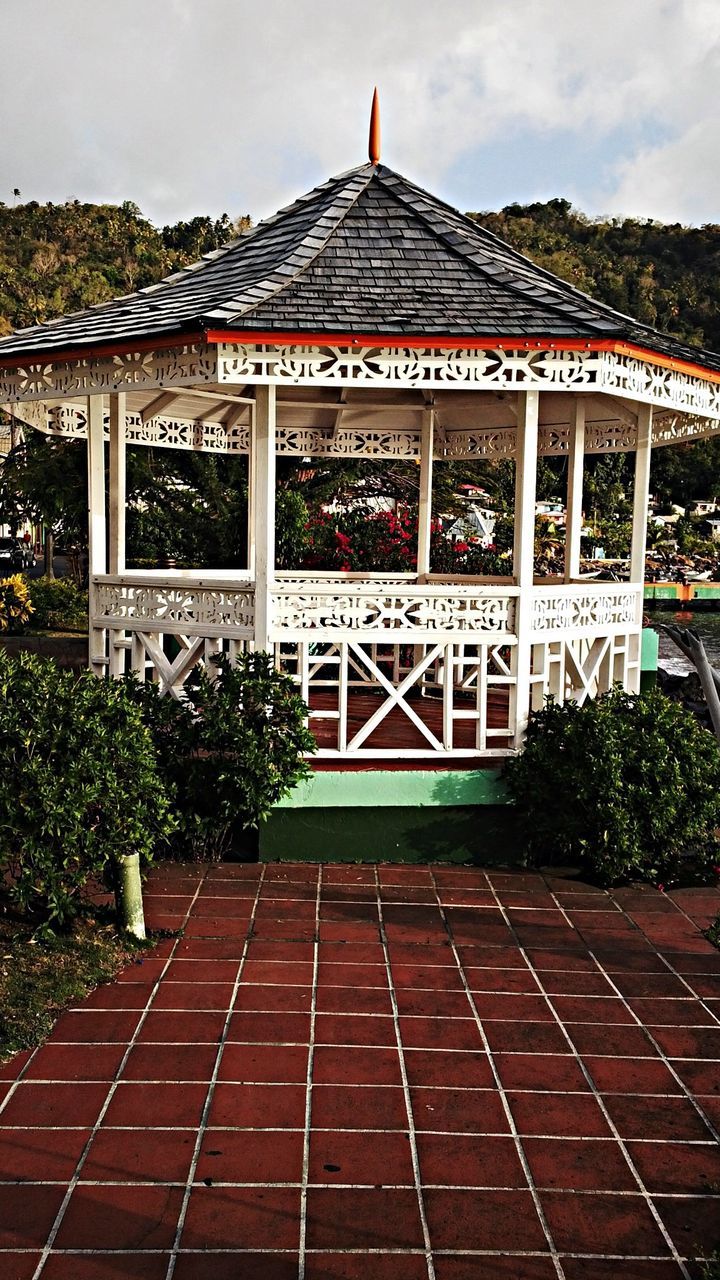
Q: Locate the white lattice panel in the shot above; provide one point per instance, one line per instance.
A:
(174, 608)
(578, 667)
(417, 612)
(593, 608)
(45, 379)
(347, 443)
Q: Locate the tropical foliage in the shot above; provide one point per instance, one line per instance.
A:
(15, 604)
(60, 258)
(229, 752)
(79, 786)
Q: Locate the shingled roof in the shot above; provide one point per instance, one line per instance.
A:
(365, 253)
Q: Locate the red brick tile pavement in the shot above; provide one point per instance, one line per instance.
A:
(344, 1073)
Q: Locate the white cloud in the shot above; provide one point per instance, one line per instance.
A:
(675, 182)
(190, 106)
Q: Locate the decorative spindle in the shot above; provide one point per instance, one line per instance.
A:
(374, 140)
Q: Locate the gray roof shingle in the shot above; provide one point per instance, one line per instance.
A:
(365, 253)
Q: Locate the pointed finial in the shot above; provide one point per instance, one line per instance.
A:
(374, 140)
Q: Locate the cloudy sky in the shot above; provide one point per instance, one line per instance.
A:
(205, 106)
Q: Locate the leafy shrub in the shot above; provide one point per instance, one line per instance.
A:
(228, 753)
(15, 605)
(78, 783)
(624, 785)
(59, 604)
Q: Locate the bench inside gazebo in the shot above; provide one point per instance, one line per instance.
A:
(369, 320)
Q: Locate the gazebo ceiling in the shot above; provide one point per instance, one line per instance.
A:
(366, 254)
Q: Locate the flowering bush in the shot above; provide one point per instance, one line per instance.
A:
(363, 539)
(15, 606)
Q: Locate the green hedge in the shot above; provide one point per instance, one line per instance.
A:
(625, 786)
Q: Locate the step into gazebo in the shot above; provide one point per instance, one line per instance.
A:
(368, 319)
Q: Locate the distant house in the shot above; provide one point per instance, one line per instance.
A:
(704, 506)
(714, 528)
(477, 522)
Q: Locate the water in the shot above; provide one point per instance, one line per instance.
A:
(707, 626)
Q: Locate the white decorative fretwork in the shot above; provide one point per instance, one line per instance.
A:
(595, 607)
(175, 608)
(435, 663)
(673, 428)
(518, 368)
(483, 442)
(521, 368)
(416, 611)
(45, 379)
(579, 666)
(347, 442)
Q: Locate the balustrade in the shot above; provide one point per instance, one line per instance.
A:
(388, 666)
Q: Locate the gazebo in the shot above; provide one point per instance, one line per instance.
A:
(371, 320)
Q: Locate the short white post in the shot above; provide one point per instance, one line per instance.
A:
(573, 519)
(263, 507)
(427, 444)
(524, 556)
(97, 530)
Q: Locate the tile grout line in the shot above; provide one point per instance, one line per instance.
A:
(202, 1126)
(52, 1235)
(309, 1086)
(700, 999)
(649, 1200)
(638, 1022)
(554, 1253)
(406, 1088)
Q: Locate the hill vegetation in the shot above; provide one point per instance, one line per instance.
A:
(59, 258)
(663, 274)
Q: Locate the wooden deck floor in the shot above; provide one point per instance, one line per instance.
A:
(396, 730)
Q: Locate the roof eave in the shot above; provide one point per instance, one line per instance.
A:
(257, 337)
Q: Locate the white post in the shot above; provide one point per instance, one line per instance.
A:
(641, 493)
(118, 483)
(639, 530)
(252, 470)
(573, 522)
(524, 555)
(427, 444)
(263, 506)
(97, 547)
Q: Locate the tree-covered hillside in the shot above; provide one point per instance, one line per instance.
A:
(665, 275)
(60, 258)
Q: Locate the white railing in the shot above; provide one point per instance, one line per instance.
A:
(585, 639)
(389, 667)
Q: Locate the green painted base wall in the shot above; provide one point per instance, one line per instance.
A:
(459, 834)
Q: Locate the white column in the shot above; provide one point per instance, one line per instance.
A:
(573, 523)
(641, 493)
(97, 547)
(524, 554)
(263, 508)
(427, 444)
(252, 468)
(118, 483)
